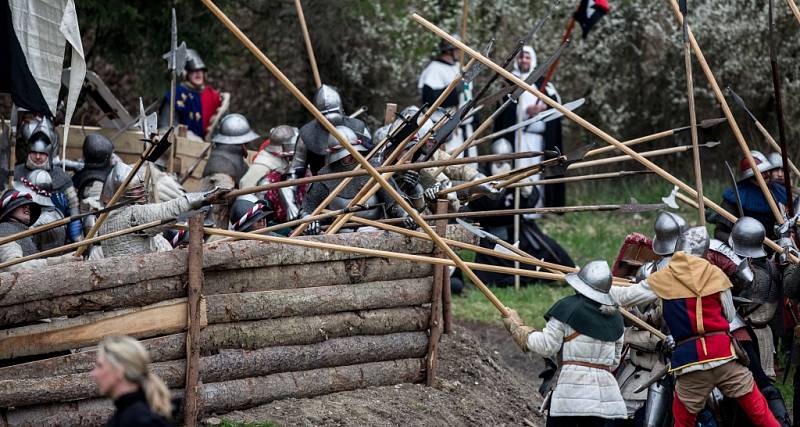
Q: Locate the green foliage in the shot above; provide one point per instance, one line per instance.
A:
(229, 423)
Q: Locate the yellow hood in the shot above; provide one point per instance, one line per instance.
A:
(688, 276)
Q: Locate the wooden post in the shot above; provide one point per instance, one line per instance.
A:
(388, 116)
(447, 301)
(439, 273)
(195, 273)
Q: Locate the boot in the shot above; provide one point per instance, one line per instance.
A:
(777, 405)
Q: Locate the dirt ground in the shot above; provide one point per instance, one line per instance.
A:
(483, 379)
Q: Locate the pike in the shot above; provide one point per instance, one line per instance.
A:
(594, 129)
(384, 169)
(409, 129)
(579, 178)
(449, 253)
(735, 189)
(44, 227)
(83, 243)
(176, 60)
(705, 124)
(151, 153)
(776, 86)
(544, 117)
(307, 39)
(740, 102)
(653, 153)
(512, 96)
(687, 59)
(521, 173)
(737, 133)
(795, 10)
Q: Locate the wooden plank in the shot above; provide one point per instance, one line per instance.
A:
(194, 318)
(447, 298)
(157, 319)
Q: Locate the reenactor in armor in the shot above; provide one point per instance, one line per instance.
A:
(17, 212)
(226, 164)
(39, 185)
(644, 356)
(340, 160)
(271, 165)
(588, 331)
(248, 213)
(142, 212)
(98, 160)
(312, 145)
(41, 146)
(697, 306)
(197, 103)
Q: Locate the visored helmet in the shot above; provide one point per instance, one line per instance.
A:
(694, 241)
(329, 103)
(336, 151)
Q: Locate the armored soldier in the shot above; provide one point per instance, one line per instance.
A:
(41, 145)
(310, 151)
(39, 185)
(226, 164)
(270, 165)
(697, 309)
(17, 212)
(340, 160)
(588, 331)
(98, 159)
(248, 213)
(141, 213)
(196, 101)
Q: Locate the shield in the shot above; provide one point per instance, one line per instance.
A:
(636, 250)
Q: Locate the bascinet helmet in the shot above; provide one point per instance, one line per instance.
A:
(39, 184)
(97, 150)
(329, 103)
(593, 281)
(282, 140)
(694, 241)
(194, 61)
(136, 190)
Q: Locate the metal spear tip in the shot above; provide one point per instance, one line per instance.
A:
(474, 229)
(710, 144)
(709, 123)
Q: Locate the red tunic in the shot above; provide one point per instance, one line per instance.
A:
(210, 101)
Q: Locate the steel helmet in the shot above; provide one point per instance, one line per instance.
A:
(13, 199)
(694, 241)
(137, 189)
(234, 129)
(593, 281)
(747, 238)
(762, 163)
(97, 150)
(247, 210)
(668, 229)
(336, 151)
(329, 103)
(194, 61)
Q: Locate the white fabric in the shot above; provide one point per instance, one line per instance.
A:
(438, 75)
(581, 390)
(264, 163)
(37, 25)
(11, 251)
(131, 216)
(766, 348)
(77, 70)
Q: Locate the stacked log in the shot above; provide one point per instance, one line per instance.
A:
(279, 321)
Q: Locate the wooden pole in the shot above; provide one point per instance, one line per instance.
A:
(195, 289)
(464, 17)
(85, 242)
(590, 127)
(517, 196)
(357, 156)
(624, 157)
(795, 10)
(737, 133)
(630, 143)
(641, 323)
(774, 144)
(698, 176)
(442, 205)
(437, 295)
(382, 169)
(309, 48)
(578, 178)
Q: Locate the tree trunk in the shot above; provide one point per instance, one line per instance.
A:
(229, 365)
(245, 335)
(227, 396)
(317, 301)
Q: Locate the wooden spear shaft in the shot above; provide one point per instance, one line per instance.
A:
(737, 133)
(624, 157)
(698, 177)
(464, 15)
(436, 104)
(469, 184)
(588, 126)
(358, 157)
(795, 10)
(93, 240)
(309, 48)
(298, 221)
(578, 178)
(774, 144)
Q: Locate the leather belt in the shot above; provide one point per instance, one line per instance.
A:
(587, 364)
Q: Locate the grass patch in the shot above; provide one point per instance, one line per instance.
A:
(531, 302)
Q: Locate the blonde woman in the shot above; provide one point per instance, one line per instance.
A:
(121, 372)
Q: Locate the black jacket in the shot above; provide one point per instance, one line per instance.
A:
(133, 410)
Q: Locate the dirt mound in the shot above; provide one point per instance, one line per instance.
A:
(482, 379)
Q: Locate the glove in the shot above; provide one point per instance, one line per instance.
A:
(666, 346)
(517, 328)
(410, 178)
(206, 198)
(431, 193)
(74, 230)
(487, 188)
(409, 223)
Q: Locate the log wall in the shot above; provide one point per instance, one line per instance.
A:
(278, 321)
